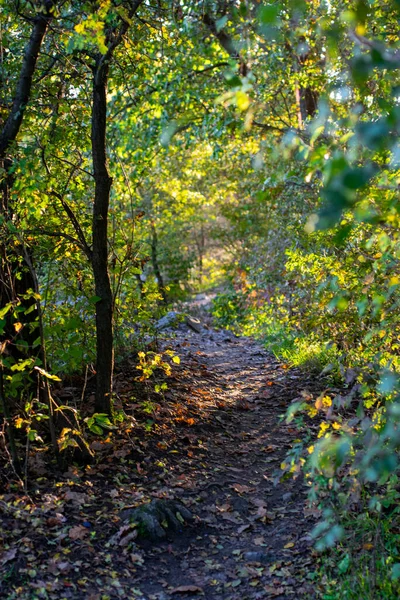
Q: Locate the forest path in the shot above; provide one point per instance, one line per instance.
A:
(253, 538)
(215, 441)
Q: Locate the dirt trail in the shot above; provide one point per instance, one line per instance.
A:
(215, 442)
(253, 540)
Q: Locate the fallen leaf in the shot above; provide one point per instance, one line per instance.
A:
(274, 591)
(55, 521)
(289, 545)
(125, 535)
(241, 489)
(9, 556)
(230, 517)
(78, 532)
(137, 559)
(243, 528)
(261, 512)
(224, 507)
(76, 498)
(184, 589)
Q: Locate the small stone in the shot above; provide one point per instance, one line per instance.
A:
(258, 557)
(154, 518)
(167, 320)
(193, 324)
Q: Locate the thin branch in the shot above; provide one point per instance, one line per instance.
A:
(71, 164)
(75, 223)
(49, 233)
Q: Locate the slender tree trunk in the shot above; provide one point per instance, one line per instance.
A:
(103, 182)
(12, 287)
(156, 266)
(8, 426)
(15, 277)
(23, 90)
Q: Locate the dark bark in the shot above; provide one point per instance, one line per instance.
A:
(226, 42)
(156, 266)
(15, 276)
(24, 85)
(8, 427)
(103, 181)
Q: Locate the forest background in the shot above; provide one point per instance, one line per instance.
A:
(150, 150)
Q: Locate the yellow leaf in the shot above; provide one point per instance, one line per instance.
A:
(310, 449)
(18, 327)
(289, 545)
(326, 402)
(80, 28)
(322, 429)
(336, 425)
(242, 100)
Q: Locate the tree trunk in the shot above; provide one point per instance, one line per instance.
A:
(156, 266)
(15, 277)
(23, 91)
(103, 181)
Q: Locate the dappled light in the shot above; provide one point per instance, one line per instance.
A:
(199, 299)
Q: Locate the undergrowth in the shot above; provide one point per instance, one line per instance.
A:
(351, 463)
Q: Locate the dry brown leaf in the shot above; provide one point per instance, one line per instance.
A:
(259, 541)
(224, 507)
(230, 517)
(79, 532)
(274, 591)
(76, 498)
(184, 589)
(9, 556)
(241, 489)
(261, 512)
(55, 521)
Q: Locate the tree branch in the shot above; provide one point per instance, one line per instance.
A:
(75, 223)
(226, 42)
(24, 85)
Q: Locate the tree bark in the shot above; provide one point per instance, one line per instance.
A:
(103, 182)
(156, 266)
(15, 276)
(226, 42)
(24, 85)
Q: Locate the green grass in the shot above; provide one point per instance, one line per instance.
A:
(366, 565)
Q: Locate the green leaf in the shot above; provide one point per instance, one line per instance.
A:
(220, 23)
(268, 15)
(23, 365)
(96, 429)
(374, 134)
(395, 571)
(358, 177)
(5, 310)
